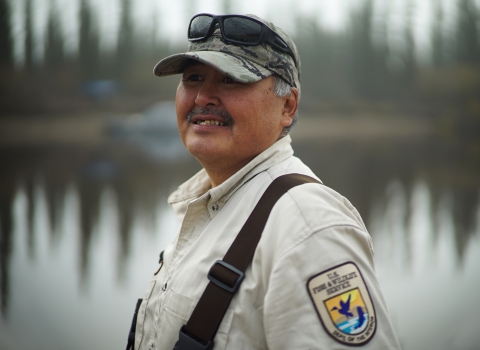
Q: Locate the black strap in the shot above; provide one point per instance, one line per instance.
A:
(131, 334)
(227, 274)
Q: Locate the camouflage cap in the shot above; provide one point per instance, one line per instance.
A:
(243, 63)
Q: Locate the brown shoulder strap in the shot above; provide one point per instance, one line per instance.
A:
(226, 275)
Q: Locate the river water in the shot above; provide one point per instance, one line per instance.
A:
(82, 228)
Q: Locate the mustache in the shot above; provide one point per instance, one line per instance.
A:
(227, 118)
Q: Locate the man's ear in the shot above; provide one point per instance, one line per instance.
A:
(290, 107)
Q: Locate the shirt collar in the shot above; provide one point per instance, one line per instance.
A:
(199, 185)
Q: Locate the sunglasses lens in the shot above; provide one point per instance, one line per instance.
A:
(241, 29)
(199, 27)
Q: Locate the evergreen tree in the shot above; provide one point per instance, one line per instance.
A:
(125, 45)
(319, 52)
(467, 36)
(54, 45)
(6, 51)
(89, 43)
(437, 36)
(409, 54)
(28, 36)
(157, 47)
(380, 48)
(363, 62)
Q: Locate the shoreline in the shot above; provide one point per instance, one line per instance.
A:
(360, 128)
(91, 129)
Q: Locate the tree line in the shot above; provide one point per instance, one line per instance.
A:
(335, 65)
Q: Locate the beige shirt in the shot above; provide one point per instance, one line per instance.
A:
(311, 229)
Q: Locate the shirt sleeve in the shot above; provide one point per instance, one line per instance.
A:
(292, 320)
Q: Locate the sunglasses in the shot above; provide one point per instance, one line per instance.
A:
(237, 29)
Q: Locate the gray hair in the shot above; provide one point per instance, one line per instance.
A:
(283, 89)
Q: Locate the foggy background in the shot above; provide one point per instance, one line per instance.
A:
(389, 117)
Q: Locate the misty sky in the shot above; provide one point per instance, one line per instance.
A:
(171, 17)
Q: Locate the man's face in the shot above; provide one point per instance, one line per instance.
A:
(224, 123)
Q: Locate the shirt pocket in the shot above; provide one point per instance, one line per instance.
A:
(179, 308)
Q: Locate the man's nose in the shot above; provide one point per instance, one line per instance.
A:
(207, 94)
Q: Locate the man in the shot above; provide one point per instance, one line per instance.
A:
(311, 283)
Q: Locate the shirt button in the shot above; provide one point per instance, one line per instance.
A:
(215, 207)
(164, 287)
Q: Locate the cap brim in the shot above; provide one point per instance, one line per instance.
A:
(235, 67)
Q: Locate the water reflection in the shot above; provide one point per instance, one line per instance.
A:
(45, 176)
(52, 304)
(430, 288)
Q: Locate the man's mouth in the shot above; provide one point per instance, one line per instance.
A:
(210, 122)
(209, 116)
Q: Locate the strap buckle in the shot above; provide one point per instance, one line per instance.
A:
(222, 285)
(187, 342)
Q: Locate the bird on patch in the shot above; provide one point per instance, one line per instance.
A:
(361, 317)
(344, 307)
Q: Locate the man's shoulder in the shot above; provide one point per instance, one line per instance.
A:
(307, 213)
(314, 204)
(320, 206)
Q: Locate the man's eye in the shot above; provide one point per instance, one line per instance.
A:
(228, 80)
(193, 77)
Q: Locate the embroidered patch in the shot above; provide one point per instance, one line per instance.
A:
(343, 304)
